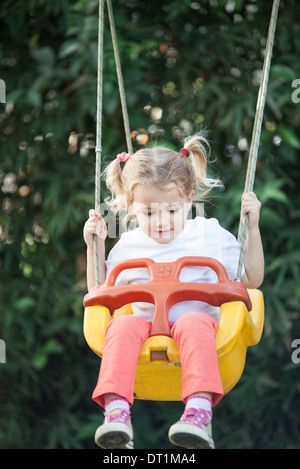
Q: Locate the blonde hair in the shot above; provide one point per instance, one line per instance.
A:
(160, 166)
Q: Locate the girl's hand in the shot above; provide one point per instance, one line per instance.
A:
(251, 205)
(95, 225)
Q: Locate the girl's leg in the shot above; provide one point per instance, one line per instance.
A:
(123, 341)
(195, 335)
(114, 391)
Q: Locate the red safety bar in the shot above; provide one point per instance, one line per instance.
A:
(164, 289)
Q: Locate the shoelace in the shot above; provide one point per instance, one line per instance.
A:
(198, 417)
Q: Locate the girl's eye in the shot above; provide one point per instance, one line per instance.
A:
(149, 214)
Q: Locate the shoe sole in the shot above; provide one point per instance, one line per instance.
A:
(114, 437)
(190, 438)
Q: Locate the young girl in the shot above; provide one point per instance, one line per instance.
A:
(156, 187)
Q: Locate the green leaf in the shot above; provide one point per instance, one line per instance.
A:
(24, 303)
(68, 48)
(52, 346)
(272, 191)
(40, 361)
(283, 71)
(288, 136)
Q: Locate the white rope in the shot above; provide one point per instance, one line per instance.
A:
(98, 147)
(120, 76)
(249, 183)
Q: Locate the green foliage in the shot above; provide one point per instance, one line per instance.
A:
(186, 65)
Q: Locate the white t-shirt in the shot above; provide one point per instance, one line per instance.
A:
(200, 237)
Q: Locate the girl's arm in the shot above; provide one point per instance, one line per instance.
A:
(253, 256)
(95, 225)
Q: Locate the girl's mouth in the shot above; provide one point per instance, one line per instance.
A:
(164, 232)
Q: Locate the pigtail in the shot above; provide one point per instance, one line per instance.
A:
(199, 149)
(200, 152)
(114, 181)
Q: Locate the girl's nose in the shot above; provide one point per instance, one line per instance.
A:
(163, 219)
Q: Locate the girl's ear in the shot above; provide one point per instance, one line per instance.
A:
(130, 209)
(191, 196)
(189, 202)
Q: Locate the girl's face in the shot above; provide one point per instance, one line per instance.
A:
(161, 214)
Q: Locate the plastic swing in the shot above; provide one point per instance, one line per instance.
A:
(158, 373)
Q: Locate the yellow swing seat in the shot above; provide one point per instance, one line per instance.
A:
(158, 373)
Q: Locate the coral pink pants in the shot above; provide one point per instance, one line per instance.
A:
(194, 334)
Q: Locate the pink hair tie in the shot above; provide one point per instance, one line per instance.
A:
(185, 152)
(124, 156)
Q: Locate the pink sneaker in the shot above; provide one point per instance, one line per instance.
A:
(116, 431)
(193, 430)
